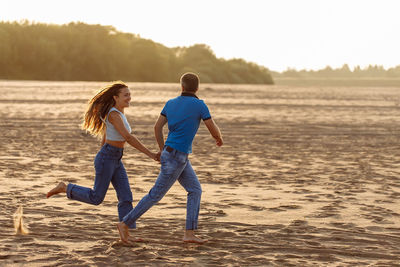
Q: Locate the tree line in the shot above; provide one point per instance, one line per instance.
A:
(371, 71)
(79, 51)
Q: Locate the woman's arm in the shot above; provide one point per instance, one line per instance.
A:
(103, 140)
(116, 120)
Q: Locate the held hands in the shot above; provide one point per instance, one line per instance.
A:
(155, 156)
(158, 156)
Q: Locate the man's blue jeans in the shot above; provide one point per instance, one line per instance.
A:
(109, 168)
(175, 165)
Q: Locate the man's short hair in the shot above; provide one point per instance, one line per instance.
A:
(190, 82)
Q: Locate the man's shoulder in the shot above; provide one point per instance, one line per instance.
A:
(188, 99)
(195, 100)
(173, 100)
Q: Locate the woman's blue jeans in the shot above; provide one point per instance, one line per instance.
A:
(109, 168)
(175, 165)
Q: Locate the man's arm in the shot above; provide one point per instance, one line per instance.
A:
(158, 131)
(214, 131)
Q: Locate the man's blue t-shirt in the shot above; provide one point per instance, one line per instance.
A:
(183, 114)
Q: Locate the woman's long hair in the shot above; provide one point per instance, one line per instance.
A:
(98, 107)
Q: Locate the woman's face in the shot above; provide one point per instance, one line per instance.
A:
(123, 99)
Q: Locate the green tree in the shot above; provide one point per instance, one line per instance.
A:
(79, 51)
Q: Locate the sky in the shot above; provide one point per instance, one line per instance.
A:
(277, 34)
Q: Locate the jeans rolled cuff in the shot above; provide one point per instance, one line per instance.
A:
(130, 225)
(69, 189)
(191, 225)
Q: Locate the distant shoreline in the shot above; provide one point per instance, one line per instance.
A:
(387, 82)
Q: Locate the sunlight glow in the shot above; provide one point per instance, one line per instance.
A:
(277, 34)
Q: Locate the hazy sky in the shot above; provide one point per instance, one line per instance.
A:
(274, 33)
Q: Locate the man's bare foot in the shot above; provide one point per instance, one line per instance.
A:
(135, 239)
(190, 237)
(60, 188)
(123, 230)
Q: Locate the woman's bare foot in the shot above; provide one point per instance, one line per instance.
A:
(60, 188)
(190, 237)
(123, 230)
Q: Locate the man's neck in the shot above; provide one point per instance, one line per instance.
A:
(193, 94)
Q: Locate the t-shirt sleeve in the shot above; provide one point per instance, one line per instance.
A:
(205, 113)
(164, 110)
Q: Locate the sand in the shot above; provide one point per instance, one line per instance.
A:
(308, 176)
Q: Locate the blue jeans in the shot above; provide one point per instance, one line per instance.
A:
(109, 168)
(175, 165)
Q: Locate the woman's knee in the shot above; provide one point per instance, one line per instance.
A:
(97, 200)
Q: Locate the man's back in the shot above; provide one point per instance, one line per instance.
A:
(183, 114)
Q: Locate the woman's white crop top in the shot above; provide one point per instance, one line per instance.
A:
(112, 133)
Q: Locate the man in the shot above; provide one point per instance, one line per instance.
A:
(183, 115)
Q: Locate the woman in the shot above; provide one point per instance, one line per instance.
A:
(105, 117)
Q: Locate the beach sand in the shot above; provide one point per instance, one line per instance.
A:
(308, 176)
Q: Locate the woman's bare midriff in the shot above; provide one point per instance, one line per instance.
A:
(119, 144)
